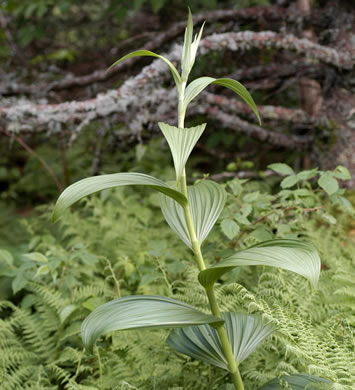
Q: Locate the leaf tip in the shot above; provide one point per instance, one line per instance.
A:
(55, 215)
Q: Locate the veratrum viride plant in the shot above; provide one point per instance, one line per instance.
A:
(221, 339)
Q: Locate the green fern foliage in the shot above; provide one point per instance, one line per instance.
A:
(125, 248)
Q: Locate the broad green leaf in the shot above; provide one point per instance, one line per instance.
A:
(97, 183)
(242, 219)
(66, 312)
(181, 142)
(141, 312)
(289, 181)
(148, 53)
(206, 200)
(329, 218)
(293, 255)
(6, 257)
(328, 183)
(282, 169)
(230, 228)
(308, 174)
(342, 173)
(36, 256)
(346, 205)
(198, 85)
(42, 270)
(19, 282)
(245, 332)
(296, 381)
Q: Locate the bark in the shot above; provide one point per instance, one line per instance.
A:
(311, 92)
(336, 145)
(272, 137)
(142, 90)
(270, 14)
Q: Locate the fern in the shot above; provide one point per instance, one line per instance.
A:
(40, 347)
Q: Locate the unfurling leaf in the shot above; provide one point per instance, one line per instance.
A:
(293, 255)
(141, 312)
(244, 331)
(189, 49)
(206, 200)
(181, 142)
(198, 85)
(97, 183)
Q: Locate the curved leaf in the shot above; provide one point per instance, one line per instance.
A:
(141, 312)
(198, 85)
(181, 142)
(97, 183)
(206, 200)
(296, 381)
(293, 255)
(149, 53)
(245, 332)
(189, 49)
(186, 50)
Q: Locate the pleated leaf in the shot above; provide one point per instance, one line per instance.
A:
(93, 184)
(206, 200)
(190, 47)
(293, 255)
(245, 332)
(139, 53)
(198, 85)
(186, 50)
(296, 381)
(181, 142)
(141, 312)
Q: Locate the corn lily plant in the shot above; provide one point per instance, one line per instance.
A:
(221, 339)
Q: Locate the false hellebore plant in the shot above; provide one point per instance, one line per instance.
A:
(221, 339)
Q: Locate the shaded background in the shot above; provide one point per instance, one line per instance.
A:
(62, 117)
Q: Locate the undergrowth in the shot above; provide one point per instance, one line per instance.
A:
(131, 251)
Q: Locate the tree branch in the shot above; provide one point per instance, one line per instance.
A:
(134, 101)
(278, 113)
(270, 14)
(247, 40)
(237, 124)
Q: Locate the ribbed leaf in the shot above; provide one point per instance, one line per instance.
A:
(148, 53)
(198, 85)
(181, 142)
(189, 49)
(206, 200)
(97, 183)
(293, 255)
(296, 381)
(141, 312)
(186, 50)
(245, 332)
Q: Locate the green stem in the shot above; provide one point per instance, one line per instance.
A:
(227, 349)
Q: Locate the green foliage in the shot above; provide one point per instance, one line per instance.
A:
(191, 212)
(314, 329)
(40, 343)
(76, 26)
(202, 342)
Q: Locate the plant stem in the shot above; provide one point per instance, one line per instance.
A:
(227, 348)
